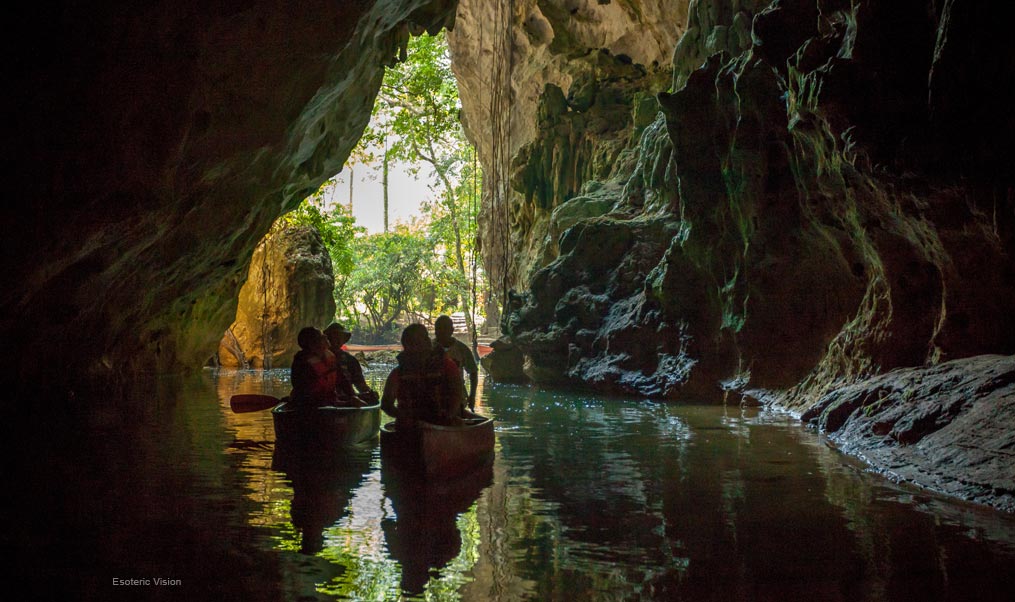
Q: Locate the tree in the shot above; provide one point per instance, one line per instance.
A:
(418, 107)
(393, 274)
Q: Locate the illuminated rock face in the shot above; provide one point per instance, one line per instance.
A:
(947, 426)
(290, 285)
(153, 147)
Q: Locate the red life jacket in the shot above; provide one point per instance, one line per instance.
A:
(314, 378)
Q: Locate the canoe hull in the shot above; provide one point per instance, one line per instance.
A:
(326, 427)
(440, 452)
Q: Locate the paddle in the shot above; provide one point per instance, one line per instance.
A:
(252, 402)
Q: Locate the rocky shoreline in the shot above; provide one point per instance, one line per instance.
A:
(949, 428)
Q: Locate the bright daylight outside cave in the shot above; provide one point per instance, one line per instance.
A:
(511, 300)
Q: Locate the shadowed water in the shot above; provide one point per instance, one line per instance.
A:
(589, 498)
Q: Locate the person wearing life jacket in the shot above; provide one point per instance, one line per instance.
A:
(443, 331)
(426, 384)
(314, 370)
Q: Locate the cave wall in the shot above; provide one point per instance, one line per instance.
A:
(818, 191)
(680, 193)
(552, 95)
(152, 146)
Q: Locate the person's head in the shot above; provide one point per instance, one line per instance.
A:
(311, 339)
(443, 329)
(337, 335)
(415, 338)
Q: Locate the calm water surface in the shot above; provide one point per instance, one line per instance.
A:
(589, 498)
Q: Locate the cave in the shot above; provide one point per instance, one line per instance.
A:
(800, 205)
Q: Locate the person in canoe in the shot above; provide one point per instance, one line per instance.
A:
(426, 384)
(353, 384)
(443, 330)
(314, 372)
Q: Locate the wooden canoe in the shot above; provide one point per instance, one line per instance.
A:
(437, 451)
(325, 427)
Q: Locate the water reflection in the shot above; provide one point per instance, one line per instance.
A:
(587, 498)
(322, 488)
(423, 533)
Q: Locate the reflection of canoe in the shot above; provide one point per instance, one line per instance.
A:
(422, 533)
(328, 426)
(440, 451)
(322, 487)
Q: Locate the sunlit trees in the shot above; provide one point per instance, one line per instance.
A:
(417, 271)
(417, 115)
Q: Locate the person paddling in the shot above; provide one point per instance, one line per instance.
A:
(352, 382)
(444, 339)
(426, 384)
(314, 370)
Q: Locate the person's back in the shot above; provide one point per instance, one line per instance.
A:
(425, 383)
(314, 371)
(420, 380)
(460, 353)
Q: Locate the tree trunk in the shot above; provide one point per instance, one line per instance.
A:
(385, 184)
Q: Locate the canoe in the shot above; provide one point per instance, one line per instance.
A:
(437, 451)
(326, 427)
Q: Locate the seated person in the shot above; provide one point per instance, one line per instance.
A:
(353, 384)
(314, 370)
(443, 330)
(426, 384)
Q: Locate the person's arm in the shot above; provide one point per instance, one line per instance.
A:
(390, 394)
(356, 376)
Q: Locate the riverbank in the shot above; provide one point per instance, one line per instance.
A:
(949, 428)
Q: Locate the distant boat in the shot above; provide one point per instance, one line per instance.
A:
(482, 349)
(325, 427)
(438, 451)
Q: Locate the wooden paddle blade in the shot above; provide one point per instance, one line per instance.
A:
(252, 402)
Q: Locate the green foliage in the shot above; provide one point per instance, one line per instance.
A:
(416, 122)
(411, 273)
(393, 282)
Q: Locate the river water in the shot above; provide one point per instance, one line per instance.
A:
(174, 497)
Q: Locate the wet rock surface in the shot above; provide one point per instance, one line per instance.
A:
(949, 427)
(505, 364)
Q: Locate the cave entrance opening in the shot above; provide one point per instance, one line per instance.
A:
(398, 226)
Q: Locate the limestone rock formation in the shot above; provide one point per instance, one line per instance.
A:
(793, 216)
(152, 146)
(290, 284)
(947, 427)
(504, 363)
(820, 192)
(548, 90)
